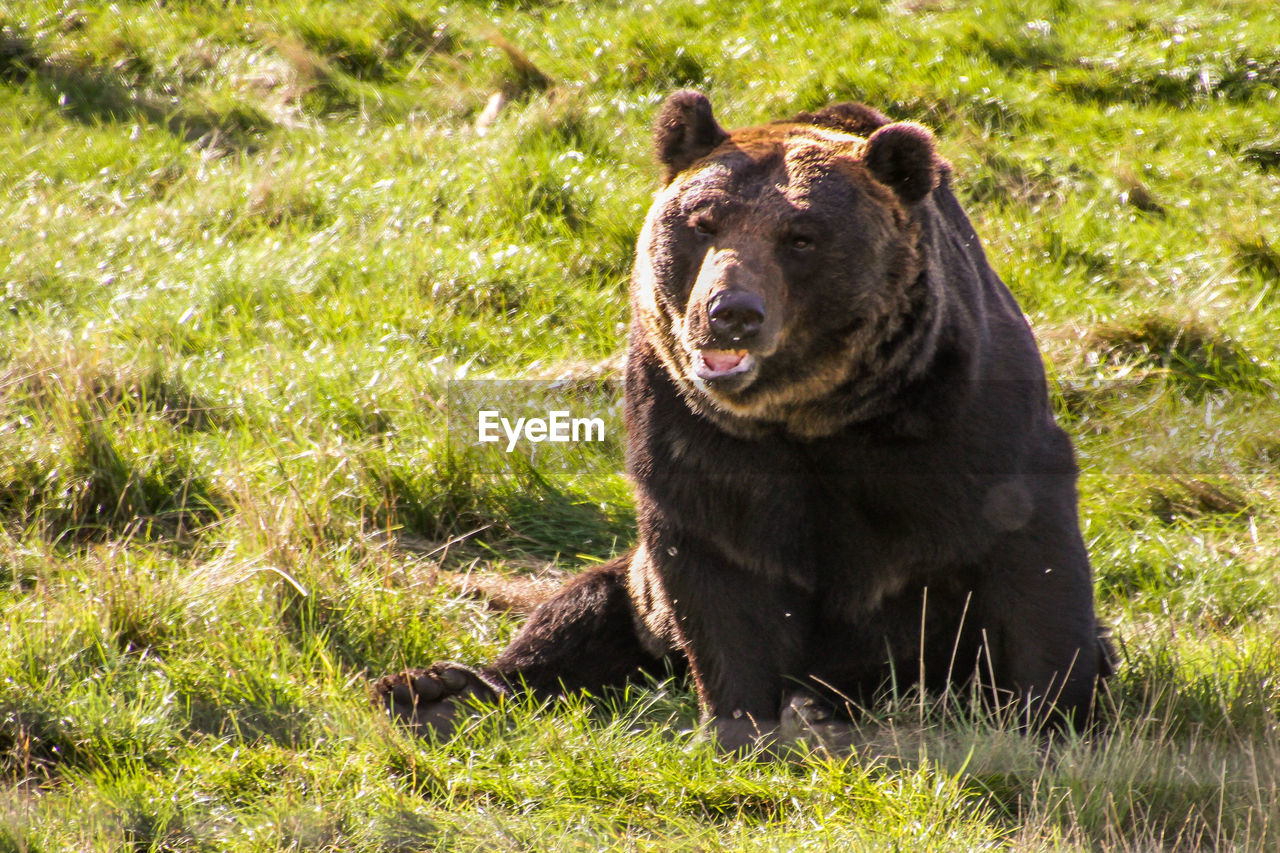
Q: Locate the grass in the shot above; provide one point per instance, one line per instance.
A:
(250, 252)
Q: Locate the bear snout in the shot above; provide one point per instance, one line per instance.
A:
(735, 316)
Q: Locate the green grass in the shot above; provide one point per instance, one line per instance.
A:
(248, 248)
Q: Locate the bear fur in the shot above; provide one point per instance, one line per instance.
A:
(846, 466)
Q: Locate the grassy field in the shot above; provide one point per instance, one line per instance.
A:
(247, 248)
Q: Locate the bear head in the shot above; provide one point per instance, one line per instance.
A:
(779, 275)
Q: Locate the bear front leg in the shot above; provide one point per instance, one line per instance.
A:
(1044, 642)
(743, 634)
(583, 638)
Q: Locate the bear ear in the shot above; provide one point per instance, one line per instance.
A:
(685, 131)
(902, 157)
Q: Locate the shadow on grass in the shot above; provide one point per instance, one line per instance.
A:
(522, 512)
(1226, 76)
(92, 95)
(1163, 349)
(101, 492)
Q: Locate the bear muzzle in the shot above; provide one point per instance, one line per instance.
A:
(734, 318)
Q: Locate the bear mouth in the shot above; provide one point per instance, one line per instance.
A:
(712, 364)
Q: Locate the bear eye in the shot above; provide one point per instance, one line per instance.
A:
(800, 242)
(703, 227)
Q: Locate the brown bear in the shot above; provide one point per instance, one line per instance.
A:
(847, 469)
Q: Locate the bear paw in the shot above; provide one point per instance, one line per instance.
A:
(426, 700)
(809, 718)
(744, 735)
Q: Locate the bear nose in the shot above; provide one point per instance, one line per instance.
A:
(735, 314)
